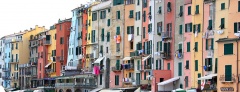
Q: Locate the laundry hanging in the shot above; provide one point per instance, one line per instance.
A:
(130, 37)
(118, 40)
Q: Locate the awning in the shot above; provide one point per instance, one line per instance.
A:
(97, 89)
(48, 64)
(99, 60)
(168, 81)
(127, 58)
(207, 77)
(145, 58)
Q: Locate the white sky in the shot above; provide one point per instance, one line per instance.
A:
(16, 15)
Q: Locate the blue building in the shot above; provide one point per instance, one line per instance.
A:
(7, 58)
(72, 60)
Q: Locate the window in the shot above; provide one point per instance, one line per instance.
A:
(93, 36)
(180, 69)
(209, 44)
(116, 79)
(118, 16)
(196, 28)
(188, 27)
(197, 9)
(181, 11)
(94, 16)
(118, 2)
(180, 29)
(160, 10)
(108, 36)
(101, 49)
(137, 31)
(222, 26)
(222, 6)
(168, 66)
(189, 10)
(100, 79)
(103, 14)
(187, 64)
(160, 44)
(145, 75)
(106, 49)
(169, 7)
(188, 46)
(216, 64)
(89, 22)
(12, 46)
(150, 28)
(181, 85)
(109, 10)
(145, 3)
(102, 35)
(159, 28)
(40, 66)
(208, 64)
(180, 48)
(196, 65)
(16, 45)
(169, 27)
(199, 75)
(236, 27)
(228, 49)
(238, 6)
(209, 25)
(61, 40)
(108, 22)
(118, 31)
(143, 32)
(186, 81)
(131, 14)
(130, 29)
(129, 2)
(138, 1)
(16, 57)
(228, 72)
(144, 16)
(118, 47)
(131, 45)
(196, 47)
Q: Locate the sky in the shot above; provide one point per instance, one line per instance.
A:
(19, 15)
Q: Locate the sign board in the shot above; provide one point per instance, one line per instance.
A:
(227, 89)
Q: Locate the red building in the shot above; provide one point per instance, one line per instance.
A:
(42, 54)
(84, 34)
(62, 39)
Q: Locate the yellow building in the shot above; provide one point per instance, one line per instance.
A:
(196, 43)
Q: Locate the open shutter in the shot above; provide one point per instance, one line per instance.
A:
(180, 29)
(235, 27)
(199, 28)
(212, 43)
(157, 46)
(157, 65)
(186, 27)
(196, 65)
(206, 44)
(102, 34)
(160, 45)
(180, 69)
(210, 64)
(216, 65)
(199, 75)
(194, 28)
(190, 27)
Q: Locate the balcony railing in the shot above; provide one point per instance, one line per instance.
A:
(47, 42)
(165, 55)
(116, 68)
(224, 78)
(93, 84)
(13, 61)
(5, 69)
(128, 66)
(147, 67)
(167, 34)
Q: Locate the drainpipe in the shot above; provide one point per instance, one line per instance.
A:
(123, 37)
(202, 38)
(237, 65)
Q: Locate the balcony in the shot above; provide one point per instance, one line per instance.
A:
(128, 80)
(64, 85)
(208, 34)
(116, 68)
(128, 66)
(14, 61)
(224, 78)
(60, 58)
(28, 73)
(166, 35)
(210, 87)
(49, 71)
(209, 1)
(135, 55)
(5, 69)
(210, 54)
(6, 78)
(147, 67)
(165, 55)
(144, 82)
(47, 42)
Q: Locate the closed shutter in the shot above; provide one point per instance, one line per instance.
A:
(138, 64)
(165, 47)
(216, 65)
(212, 43)
(108, 36)
(102, 34)
(228, 49)
(188, 46)
(180, 69)
(196, 65)
(150, 44)
(145, 75)
(160, 45)
(140, 46)
(118, 64)
(108, 23)
(199, 75)
(238, 6)
(131, 14)
(128, 30)
(228, 72)
(186, 27)
(118, 31)
(187, 64)
(139, 15)
(190, 27)
(157, 46)
(137, 46)
(94, 33)
(136, 16)
(118, 14)
(223, 22)
(206, 44)
(194, 28)
(197, 9)
(189, 10)
(180, 29)
(168, 66)
(157, 65)
(235, 27)
(196, 46)
(222, 6)
(199, 28)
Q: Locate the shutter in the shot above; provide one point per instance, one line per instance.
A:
(216, 65)
(199, 28)
(139, 15)
(181, 9)
(157, 65)
(199, 75)
(94, 35)
(128, 30)
(118, 14)
(210, 64)
(180, 29)
(168, 47)
(137, 48)
(228, 72)
(185, 27)
(194, 28)
(238, 6)
(101, 17)
(222, 22)
(102, 34)
(108, 23)
(136, 16)
(145, 47)
(118, 31)
(206, 64)
(187, 64)
(222, 6)
(197, 9)
(157, 46)
(235, 27)
(165, 47)
(210, 23)
(145, 63)
(188, 46)
(186, 81)
(212, 43)
(138, 64)
(145, 75)
(179, 69)
(160, 45)
(196, 65)
(150, 44)
(189, 10)
(196, 46)
(228, 49)
(190, 27)
(168, 66)
(76, 51)
(206, 44)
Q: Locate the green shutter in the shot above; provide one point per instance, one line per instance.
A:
(199, 28)
(108, 36)
(223, 22)
(145, 75)
(209, 24)
(118, 31)
(196, 46)
(168, 66)
(180, 29)
(128, 30)
(118, 64)
(138, 64)
(108, 23)
(118, 14)
(137, 30)
(196, 65)
(100, 79)
(179, 46)
(206, 44)
(186, 28)
(190, 27)
(194, 28)
(197, 9)
(228, 72)
(103, 34)
(238, 6)
(157, 46)
(160, 45)
(189, 10)
(188, 46)
(216, 65)
(228, 49)
(210, 64)
(181, 85)
(199, 75)
(222, 6)
(187, 64)
(212, 43)
(181, 9)
(131, 14)
(180, 69)
(156, 64)
(235, 27)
